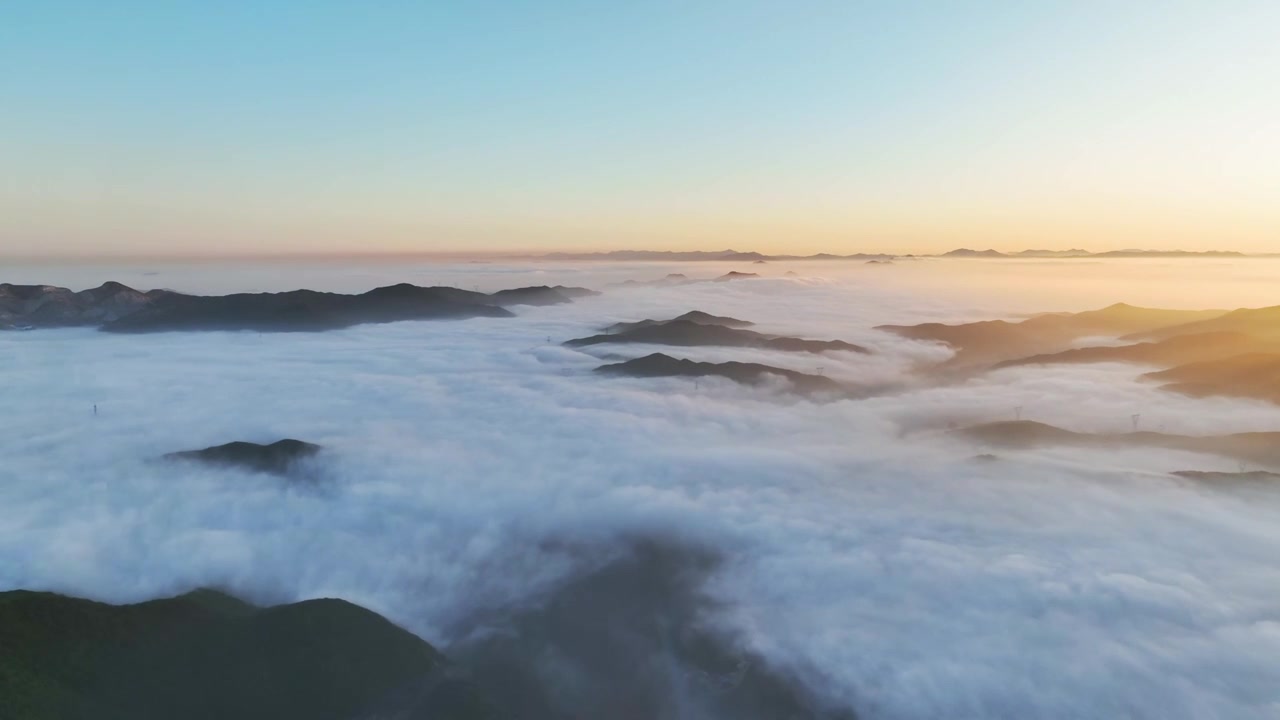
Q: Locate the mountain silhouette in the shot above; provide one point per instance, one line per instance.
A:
(118, 308)
(277, 458)
(686, 333)
(1252, 375)
(32, 306)
(209, 656)
(1225, 477)
(1259, 447)
(693, 316)
(660, 365)
(992, 341)
(1176, 350)
(540, 295)
(1263, 323)
(308, 310)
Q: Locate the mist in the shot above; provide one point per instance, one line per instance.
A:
(476, 471)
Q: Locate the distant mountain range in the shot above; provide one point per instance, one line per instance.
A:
(703, 255)
(1254, 447)
(661, 365)
(708, 330)
(980, 344)
(967, 253)
(1203, 353)
(117, 308)
(755, 257)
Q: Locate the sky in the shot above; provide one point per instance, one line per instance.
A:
(327, 126)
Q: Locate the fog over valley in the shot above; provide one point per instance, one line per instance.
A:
(816, 517)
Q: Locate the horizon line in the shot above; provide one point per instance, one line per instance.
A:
(584, 255)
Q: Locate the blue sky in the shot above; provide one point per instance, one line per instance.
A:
(196, 128)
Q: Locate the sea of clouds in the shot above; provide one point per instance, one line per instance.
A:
(472, 467)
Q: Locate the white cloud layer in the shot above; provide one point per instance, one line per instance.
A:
(859, 540)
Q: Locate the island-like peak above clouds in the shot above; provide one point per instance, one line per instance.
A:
(540, 295)
(210, 655)
(305, 310)
(687, 333)
(1257, 447)
(1251, 476)
(735, 275)
(1176, 350)
(660, 365)
(276, 458)
(32, 306)
(693, 316)
(992, 341)
(967, 253)
(117, 308)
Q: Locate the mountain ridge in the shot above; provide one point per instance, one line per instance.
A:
(687, 333)
(1256, 447)
(663, 365)
(114, 307)
(206, 655)
(739, 256)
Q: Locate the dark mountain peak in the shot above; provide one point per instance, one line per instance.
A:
(112, 299)
(307, 310)
(116, 307)
(399, 289)
(32, 306)
(665, 281)
(540, 295)
(652, 363)
(735, 275)
(693, 316)
(112, 287)
(29, 292)
(1017, 432)
(277, 458)
(206, 654)
(217, 601)
(683, 332)
(662, 365)
(702, 318)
